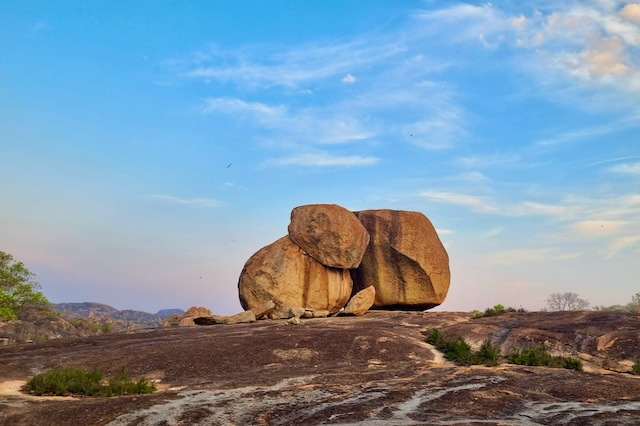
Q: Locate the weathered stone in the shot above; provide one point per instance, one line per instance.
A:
(284, 273)
(330, 234)
(296, 312)
(263, 309)
(193, 312)
(312, 313)
(294, 320)
(361, 302)
(405, 261)
(242, 317)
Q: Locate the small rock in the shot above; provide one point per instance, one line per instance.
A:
(293, 320)
(297, 312)
(361, 302)
(262, 310)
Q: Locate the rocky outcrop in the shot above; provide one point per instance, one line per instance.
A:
(193, 312)
(330, 234)
(405, 261)
(361, 302)
(286, 274)
(241, 318)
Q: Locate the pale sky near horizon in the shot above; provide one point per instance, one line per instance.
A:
(149, 148)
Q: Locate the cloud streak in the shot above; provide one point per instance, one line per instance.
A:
(326, 160)
(195, 202)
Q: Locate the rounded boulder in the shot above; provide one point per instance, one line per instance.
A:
(287, 275)
(330, 234)
(405, 261)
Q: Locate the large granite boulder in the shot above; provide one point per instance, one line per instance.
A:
(405, 261)
(330, 234)
(286, 274)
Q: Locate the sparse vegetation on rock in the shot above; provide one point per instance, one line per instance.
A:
(497, 310)
(538, 356)
(459, 351)
(82, 382)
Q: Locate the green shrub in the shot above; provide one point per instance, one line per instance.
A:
(459, 351)
(636, 367)
(80, 381)
(497, 310)
(488, 354)
(538, 356)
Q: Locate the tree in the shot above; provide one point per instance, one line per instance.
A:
(18, 288)
(566, 302)
(634, 305)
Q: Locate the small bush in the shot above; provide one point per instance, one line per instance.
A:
(497, 310)
(636, 367)
(80, 381)
(459, 351)
(488, 354)
(539, 356)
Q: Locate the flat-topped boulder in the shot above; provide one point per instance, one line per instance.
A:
(330, 234)
(287, 275)
(405, 261)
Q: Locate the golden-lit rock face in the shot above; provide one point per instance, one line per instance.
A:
(405, 261)
(330, 234)
(284, 273)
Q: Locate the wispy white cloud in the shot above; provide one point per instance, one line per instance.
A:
(527, 208)
(620, 244)
(196, 202)
(348, 79)
(626, 168)
(327, 160)
(476, 203)
(441, 231)
(589, 132)
(231, 105)
(486, 161)
(514, 256)
(308, 126)
(598, 228)
(484, 204)
(264, 67)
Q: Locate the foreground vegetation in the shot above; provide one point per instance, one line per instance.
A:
(80, 381)
(459, 351)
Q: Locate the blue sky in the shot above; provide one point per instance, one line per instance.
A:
(150, 148)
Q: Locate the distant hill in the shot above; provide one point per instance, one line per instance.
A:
(87, 309)
(168, 312)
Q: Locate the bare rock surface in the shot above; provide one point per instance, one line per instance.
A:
(330, 234)
(405, 261)
(360, 303)
(369, 370)
(284, 273)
